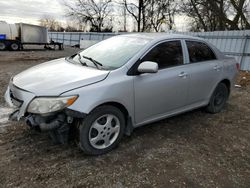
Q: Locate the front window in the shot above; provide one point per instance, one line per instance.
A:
(167, 54)
(113, 52)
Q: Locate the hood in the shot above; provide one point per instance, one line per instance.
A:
(57, 76)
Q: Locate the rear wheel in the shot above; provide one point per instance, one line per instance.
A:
(2, 46)
(101, 130)
(218, 99)
(14, 46)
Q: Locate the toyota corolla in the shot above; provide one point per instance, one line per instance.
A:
(118, 84)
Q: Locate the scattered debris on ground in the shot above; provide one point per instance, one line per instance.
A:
(194, 149)
(243, 78)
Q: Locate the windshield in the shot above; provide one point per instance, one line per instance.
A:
(113, 52)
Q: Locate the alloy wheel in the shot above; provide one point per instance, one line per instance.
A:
(104, 131)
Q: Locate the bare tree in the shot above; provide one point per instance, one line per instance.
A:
(118, 16)
(242, 8)
(210, 15)
(137, 10)
(161, 12)
(93, 12)
(51, 23)
(74, 25)
(152, 13)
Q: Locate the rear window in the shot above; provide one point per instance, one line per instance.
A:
(199, 52)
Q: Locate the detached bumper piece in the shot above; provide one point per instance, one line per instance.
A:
(59, 125)
(13, 115)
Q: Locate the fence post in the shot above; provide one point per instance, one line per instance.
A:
(79, 37)
(70, 36)
(63, 36)
(243, 51)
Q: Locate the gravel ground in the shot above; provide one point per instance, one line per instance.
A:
(194, 149)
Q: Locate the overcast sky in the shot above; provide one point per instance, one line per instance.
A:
(30, 11)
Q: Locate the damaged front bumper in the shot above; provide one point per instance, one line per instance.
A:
(57, 124)
(18, 99)
(52, 121)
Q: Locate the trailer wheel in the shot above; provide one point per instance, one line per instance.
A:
(2, 46)
(14, 46)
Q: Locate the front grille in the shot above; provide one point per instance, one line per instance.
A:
(17, 102)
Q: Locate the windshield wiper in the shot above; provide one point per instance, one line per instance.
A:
(80, 60)
(96, 63)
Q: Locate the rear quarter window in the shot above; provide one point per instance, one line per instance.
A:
(199, 52)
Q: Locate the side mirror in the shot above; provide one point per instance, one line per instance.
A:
(148, 67)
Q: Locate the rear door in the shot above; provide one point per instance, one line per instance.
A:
(160, 93)
(204, 70)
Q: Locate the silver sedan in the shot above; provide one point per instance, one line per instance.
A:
(121, 83)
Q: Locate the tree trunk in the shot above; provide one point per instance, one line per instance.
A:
(139, 15)
(199, 16)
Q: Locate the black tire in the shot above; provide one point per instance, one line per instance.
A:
(86, 129)
(218, 99)
(2, 46)
(14, 46)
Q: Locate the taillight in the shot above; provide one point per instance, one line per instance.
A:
(238, 66)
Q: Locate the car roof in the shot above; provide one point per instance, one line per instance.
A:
(161, 36)
(157, 37)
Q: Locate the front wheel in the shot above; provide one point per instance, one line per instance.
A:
(218, 99)
(101, 130)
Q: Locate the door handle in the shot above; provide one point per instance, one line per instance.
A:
(183, 75)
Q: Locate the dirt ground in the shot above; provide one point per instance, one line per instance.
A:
(194, 149)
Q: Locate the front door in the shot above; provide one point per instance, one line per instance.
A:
(160, 93)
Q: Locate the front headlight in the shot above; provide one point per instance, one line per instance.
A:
(43, 105)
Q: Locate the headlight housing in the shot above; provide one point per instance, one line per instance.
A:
(43, 105)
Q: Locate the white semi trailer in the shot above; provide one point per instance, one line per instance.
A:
(15, 36)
